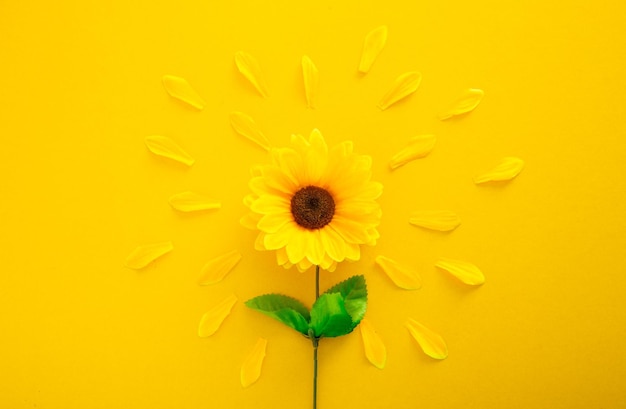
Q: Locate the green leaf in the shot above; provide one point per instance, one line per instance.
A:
(354, 293)
(287, 310)
(329, 317)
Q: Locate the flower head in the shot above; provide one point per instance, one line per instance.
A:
(314, 205)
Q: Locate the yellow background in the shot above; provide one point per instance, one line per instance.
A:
(81, 88)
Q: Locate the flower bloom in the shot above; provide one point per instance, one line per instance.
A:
(314, 205)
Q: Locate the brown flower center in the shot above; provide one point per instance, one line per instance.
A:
(312, 207)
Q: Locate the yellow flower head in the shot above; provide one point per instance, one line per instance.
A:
(314, 206)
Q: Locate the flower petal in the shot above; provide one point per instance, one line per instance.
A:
(315, 248)
(464, 271)
(418, 147)
(212, 319)
(467, 103)
(334, 245)
(374, 43)
(311, 81)
(316, 158)
(352, 231)
(441, 220)
(215, 270)
(272, 223)
(353, 251)
(296, 247)
(180, 89)
(145, 254)
(167, 148)
(431, 343)
(304, 265)
(245, 126)
(250, 69)
(507, 169)
(268, 204)
(375, 349)
(275, 179)
(401, 275)
(281, 238)
(192, 202)
(290, 164)
(251, 367)
(281, 257)
(405, 85)
(259, 242)
(250, 220)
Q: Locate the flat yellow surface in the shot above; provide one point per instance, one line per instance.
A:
(81, 89)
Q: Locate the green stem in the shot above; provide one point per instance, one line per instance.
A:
(317, 282)
(315, 340)
(315, 344)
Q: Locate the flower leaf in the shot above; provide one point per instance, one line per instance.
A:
(287, 310)
(354, 294)
(329, 317)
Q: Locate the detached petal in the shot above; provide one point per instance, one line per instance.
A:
(405, 85)
(245, 126)
(374, 43)
(467, 103)
(145, 254)
(464, 271)
(212, 319)
(311, 81)
(167, 148)
(193, 202)
(431, 343)
(180, 89)
(507, 169)
(215, 270)
(441, 220)
(401, 275)
(250, 69)
(251, 367)
(375, 349)
(418, 147)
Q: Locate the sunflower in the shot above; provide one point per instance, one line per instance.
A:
(312, 205)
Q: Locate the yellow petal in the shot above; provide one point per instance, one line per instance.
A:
(402, 276)
(249, 68)
(374, 43)
(281, 238)
(334, 245)
(351, 230)
(251, 367)
(507, 169)
(466, 103)
(296, 248)
(213, 318)
(249, 221)
(353, 251)
(405, 85)
(273, 222)
(441, 220)
(164, 146)
(180, 89)
(311, 81)
(431, 343)
(191, 202)
(418, 147)
(268, 204)
(246, 127)
(144, 255)
(315, 248)
(375, 350)
(464, 271)
(215, 270)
